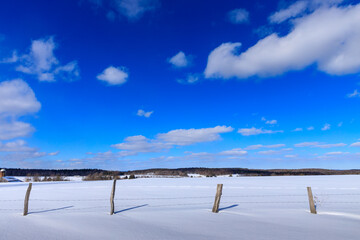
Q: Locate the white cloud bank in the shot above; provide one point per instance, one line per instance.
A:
(17, 99)
(41, 62)
(114, 75)
(327, 37)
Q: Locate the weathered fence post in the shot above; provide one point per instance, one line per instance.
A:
(217, 198)
(311, 201)
(112, 209)
(26, 202)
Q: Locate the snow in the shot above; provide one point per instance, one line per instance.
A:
(180, 208)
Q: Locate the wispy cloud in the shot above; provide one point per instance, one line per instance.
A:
(326, 127)
(142, 113)
(41, 62)
(354, 94)
(238, 16)
(256, 131)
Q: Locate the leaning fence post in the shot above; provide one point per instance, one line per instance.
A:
(311, 201)
(217, 198)
(26, 202)
(112, 209)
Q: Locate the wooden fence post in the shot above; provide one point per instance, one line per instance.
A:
(311, 201)
(217, 198)
(112, 209)
(26, 202)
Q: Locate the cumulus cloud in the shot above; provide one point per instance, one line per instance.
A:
(190, 136)
(17, 99)
(131, 9)
(326, 127)
(354, 94)
(142, 144)
(310, 128)
(178, 137)
(238, 16)
(256, 131)
(327, 37)
(114, 75)
(142, 113)
(180, 60)
(41, 62)
(297, 130)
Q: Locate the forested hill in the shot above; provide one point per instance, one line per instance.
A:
(181, 172)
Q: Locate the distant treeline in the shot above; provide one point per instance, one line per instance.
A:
(244, 171)
(56, 172)
(181, 172)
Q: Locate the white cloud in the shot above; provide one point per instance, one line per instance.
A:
(178, 137)
(15, 146)
(335, 153)
(54, 153)
(290, 156)
(306, 144)
(258, 146)
(179, 60)
(356, 144)
(354, 94)
(131, 9)
(234, 152)
(190, 79)
(256, 131)
(292, 11)
(310, 128)
(330, 145)
(327, 37)
(14, 129)
(16, 100)
(238, 16)
(41, 61)
(319, 145)
(297, 130)
(326, 127)
(114, 75)
(272, 122)
(274, 152)
(140, 143)
(142, 113)
(340, 124)
(191, 136)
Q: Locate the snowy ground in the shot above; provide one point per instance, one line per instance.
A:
(180, 208)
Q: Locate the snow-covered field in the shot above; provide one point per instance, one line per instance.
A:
(180, 208)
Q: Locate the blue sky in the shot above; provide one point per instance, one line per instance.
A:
(133, 84)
